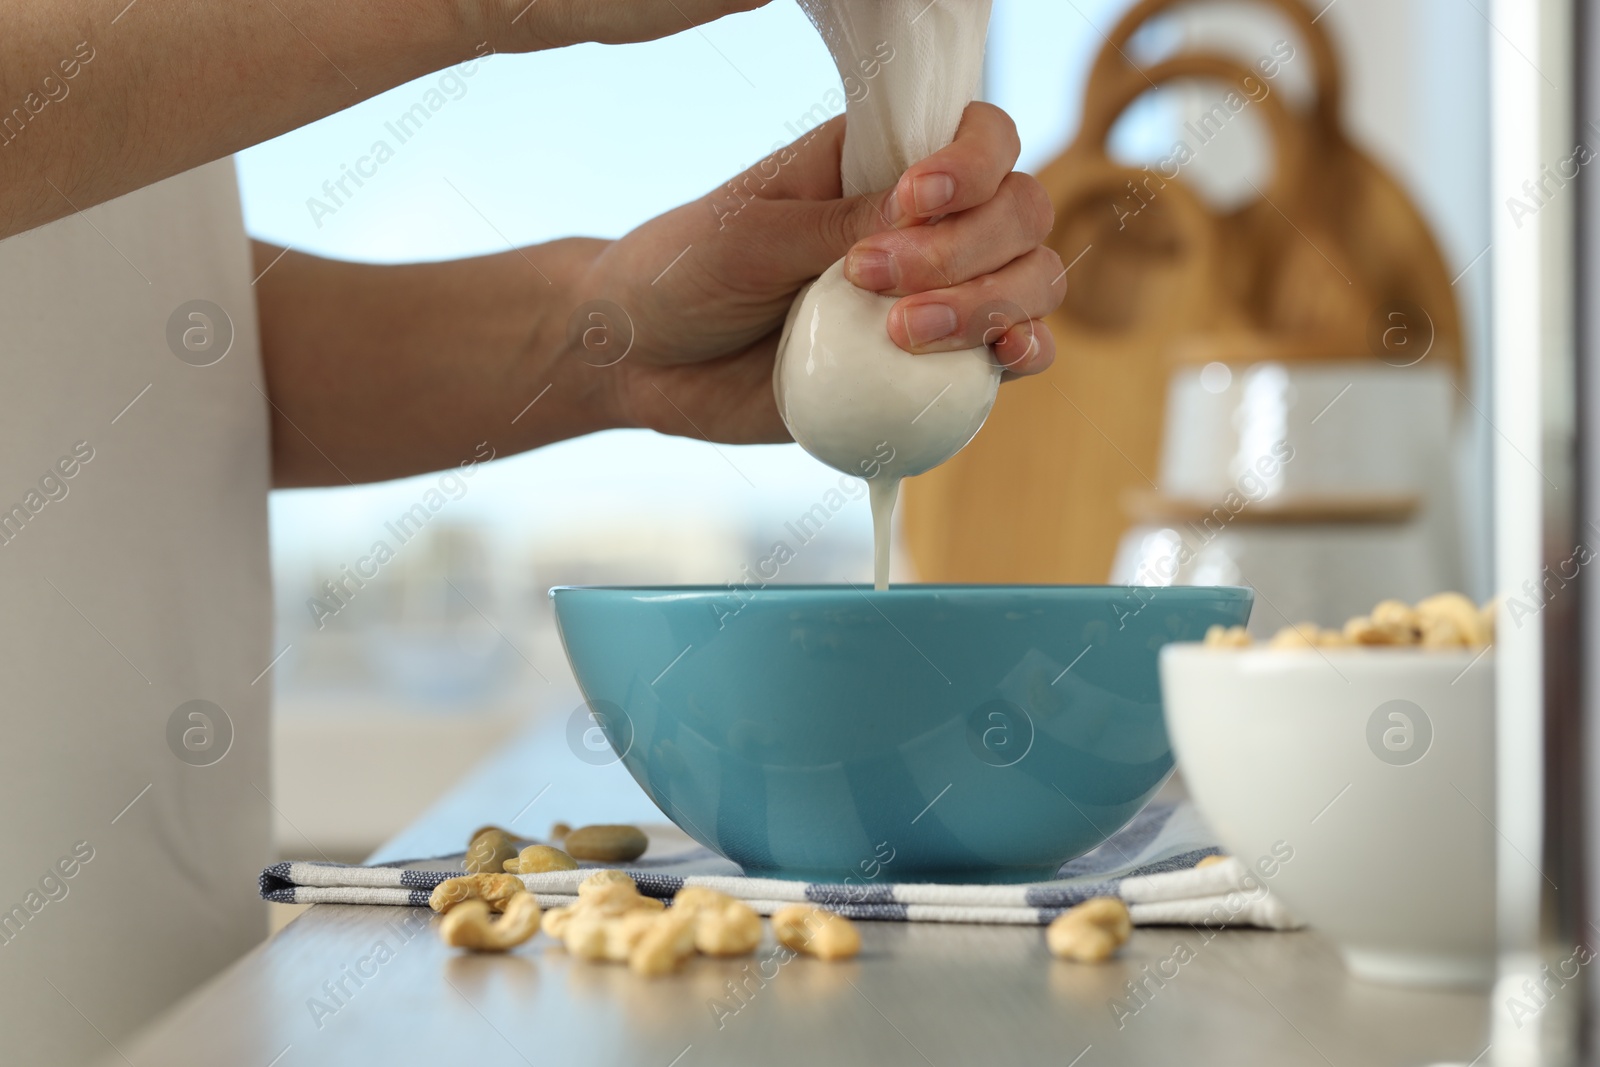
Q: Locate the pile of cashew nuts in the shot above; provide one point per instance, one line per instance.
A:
(611, 919)
(1442, 621)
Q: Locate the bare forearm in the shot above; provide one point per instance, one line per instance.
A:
(378, 372)
(101, 97)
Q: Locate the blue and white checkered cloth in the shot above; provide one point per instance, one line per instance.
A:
(1150, 864)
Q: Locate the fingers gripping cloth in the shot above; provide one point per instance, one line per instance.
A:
(847, 393)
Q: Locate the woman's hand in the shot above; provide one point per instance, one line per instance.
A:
(382, 371)
(697, 297)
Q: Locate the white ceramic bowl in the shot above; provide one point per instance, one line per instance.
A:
(1373, 769)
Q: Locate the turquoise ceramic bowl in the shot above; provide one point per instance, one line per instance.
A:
(923, 733)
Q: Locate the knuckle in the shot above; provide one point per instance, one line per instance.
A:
(1003, 123)
(949, 264)
(927, 262)
(835, 227)
(1035, 213)
(992, 313)
(990, 289)
(861, 218)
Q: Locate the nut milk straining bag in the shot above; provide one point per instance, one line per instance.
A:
(847, 393)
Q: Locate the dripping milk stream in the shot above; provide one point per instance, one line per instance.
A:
(883, 491)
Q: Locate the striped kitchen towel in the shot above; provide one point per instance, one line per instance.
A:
(1150, 864)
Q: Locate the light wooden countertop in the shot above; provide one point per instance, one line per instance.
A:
(918, 994)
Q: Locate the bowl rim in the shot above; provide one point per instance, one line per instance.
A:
(818, 590)
(1257, 654)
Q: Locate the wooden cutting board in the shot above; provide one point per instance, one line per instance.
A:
(1310, 271)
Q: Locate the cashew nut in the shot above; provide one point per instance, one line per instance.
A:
(651, 943)
(734, 930)
(615, 898)
(696, 898)
(663, 946)
(469, 926)
(1300, 635)
(606, 844)
(816, 932)
(1445, 620)
(1397, 622)
(1091, 931)
(493, 889)
(603, 896)
(1450, 619)
(1362, 631)
(489, 850)
(536, 859)
(1220, 636)
(599, 937)
(723, 926)
(584, 934)
(555, 922)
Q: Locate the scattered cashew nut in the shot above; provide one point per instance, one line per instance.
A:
(598, 937)
(732, 931)
(488, 850)
(697, 898)
(611, 899)
(584, 935)
(816, 932)
(555, 922)
(663, 946)
(612, 921)
(602, 897)
(606, 844)
(468, 925)
(536, 859)
(650, 942)
(493, 889)
(1090, 932)
(723, 925)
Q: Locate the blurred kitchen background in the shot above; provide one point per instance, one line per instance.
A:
(451, 650)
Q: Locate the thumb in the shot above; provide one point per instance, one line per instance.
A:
(799, 239)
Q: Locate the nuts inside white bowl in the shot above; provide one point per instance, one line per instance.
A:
(1442, 621)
